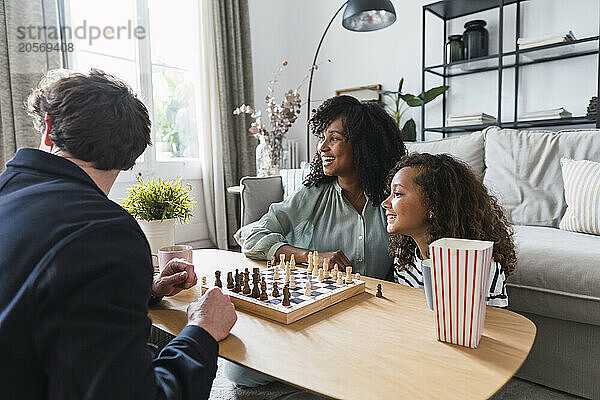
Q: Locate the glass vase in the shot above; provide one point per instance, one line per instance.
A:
(269, 156)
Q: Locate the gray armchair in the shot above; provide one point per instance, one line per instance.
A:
(257, 195)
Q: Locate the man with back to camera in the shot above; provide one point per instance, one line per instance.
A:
(76, 268)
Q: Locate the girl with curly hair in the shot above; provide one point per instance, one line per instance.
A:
(436, 196)
(337, 211)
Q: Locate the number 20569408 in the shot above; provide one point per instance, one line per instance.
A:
(27, 47)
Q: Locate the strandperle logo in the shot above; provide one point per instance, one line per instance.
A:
(83, 31)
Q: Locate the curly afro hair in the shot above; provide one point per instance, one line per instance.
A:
(376, 139)
(461, 207)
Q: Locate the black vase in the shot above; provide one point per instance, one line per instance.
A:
(475, 39)
(454, 48)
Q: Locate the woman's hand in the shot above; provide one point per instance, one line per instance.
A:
(335, 257)
(177, 275)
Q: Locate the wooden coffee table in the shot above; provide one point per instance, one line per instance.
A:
(364, 347)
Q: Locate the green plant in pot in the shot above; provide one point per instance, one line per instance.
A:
(401, 102)
(157, 205)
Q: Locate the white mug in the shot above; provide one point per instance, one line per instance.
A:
(166, 254)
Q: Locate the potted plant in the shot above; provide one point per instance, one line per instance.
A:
(157, 205)
(401, 100)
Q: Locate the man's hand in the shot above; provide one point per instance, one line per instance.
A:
(214, 312)
(335, 257)
(177, 275)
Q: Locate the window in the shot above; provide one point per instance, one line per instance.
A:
(153, 46)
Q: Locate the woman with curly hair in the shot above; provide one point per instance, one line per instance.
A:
(436, 196)
(337, 211)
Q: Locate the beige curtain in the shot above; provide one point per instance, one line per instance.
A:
(21, 67)
(234, 71)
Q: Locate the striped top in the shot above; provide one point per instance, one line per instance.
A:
(413, 276)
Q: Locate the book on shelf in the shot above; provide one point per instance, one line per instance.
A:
(528, 43)
(470, 119)
(555, 113)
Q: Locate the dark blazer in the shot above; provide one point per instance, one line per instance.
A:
(75, 280)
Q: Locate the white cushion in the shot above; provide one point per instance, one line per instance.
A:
(582, 193)
(523, 170)
(292, 180)
(467, 148)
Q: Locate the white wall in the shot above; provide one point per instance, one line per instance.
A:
(290, 30)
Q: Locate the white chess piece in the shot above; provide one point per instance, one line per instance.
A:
(326, 268)
(340, 279)
(282, 261)
(307, 289)
(316, 259)
(348, 275)
(204, 280)
(292, 262)
(357, 276)
(310, 262)
(316, 269)
(292, 282)
(276, 274)
(321, 276)
(334, 274)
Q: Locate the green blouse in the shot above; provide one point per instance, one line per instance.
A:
(321, 218)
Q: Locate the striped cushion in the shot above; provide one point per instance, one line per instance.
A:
(582, 193)
(292, 180)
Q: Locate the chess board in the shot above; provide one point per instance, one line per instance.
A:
(323, 294)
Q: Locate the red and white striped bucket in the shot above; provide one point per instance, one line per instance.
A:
(459, 278)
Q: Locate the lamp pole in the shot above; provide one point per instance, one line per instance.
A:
(312, 70)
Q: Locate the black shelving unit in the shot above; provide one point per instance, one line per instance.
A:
(447, 10)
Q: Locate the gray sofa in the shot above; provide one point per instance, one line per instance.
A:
(557, 280)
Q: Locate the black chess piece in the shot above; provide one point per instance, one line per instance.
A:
(236, 276)
(238, 284)
(230, 284)
(263, 290)
(275, 292)
(255, 291)
(218, 279)
(379, 292)
(246, 289)
(286, 296)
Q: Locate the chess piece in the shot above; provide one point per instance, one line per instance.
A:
(237, 287)
(263, 290)
(230, 284)
(246, 289)
(379, 292)
(348, 275)
(204, 281)
(218, 279)
(321, 276)
(236, 276)
(275, 292)
(310, 262)
(276, 274)
(255, 270)
(326, 268)
(292, 282)
(316, 269)
(255, 291)
(246, 272)
(292, 262)
(357, 276)
(286, 296)
(288, 269)
(316, 259)
(340, 279)
(273, 261)
(282, 261)
(307, 289)
(334, 274)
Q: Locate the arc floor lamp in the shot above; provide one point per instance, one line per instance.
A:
(359, 16)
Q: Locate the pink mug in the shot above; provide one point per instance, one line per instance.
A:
(166, 254)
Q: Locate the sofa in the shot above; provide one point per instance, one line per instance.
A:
(556, 283)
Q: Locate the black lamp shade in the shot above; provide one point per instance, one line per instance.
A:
(368, 15)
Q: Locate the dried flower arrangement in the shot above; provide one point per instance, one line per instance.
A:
(281, 118)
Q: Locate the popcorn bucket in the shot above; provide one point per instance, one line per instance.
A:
(460, 277)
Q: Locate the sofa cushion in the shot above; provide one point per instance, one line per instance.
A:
(557, 274)
(523, 170)
(582, 193)
(467, 148)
